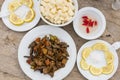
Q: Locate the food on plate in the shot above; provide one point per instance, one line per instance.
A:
(96, 71)
(84, 64)
(86, 52)
(30, 16)
(108, 69)
(28, 3)
(57, 11)
(109, 57)
(13, 6)
(88, 23)
(100, 46)
(17, 20)
(14, 19)
(47, 54)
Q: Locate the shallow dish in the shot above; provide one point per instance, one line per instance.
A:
(41, 31)
(87, 74)
(25, 26)
(93, 12)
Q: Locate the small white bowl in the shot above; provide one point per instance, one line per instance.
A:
(94, 13)
(60, 25)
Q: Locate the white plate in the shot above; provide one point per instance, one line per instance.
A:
(25, 26)
(41, 31)
(87, 74)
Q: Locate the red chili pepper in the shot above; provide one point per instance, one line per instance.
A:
(91, 23)
(85, 22)
(87, 30)
(95, 23)
(85, 17)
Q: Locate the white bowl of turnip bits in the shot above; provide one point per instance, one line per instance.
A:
(89, 23)
(58, 12)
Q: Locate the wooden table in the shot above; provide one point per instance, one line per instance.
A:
(9, 42)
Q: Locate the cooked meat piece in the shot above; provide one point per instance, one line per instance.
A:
(44, 50)
(64, 61)
(47, 62)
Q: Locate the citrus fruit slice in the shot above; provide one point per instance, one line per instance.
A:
(108, 69)
(109, 57)
(28, 3)
(84, 65)
(86, 52)
(13, 6)
(30, 16)
(14, 19)
(95, 71)
(100, 46)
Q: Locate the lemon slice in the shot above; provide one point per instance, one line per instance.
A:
(28, 3)
(100, 46)
(14, 19)
(109, 57)
(30, 16)
(86, 52)
(13, 6)
(96, 71)
(108, 69)
(84, 65)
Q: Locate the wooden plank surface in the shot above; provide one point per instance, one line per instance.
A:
(9, 42)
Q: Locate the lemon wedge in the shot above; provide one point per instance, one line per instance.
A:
(108, 69)
(96, 71)
(30, 16)
(100, 46)
(13, 6)
(28, 3)
(84, 65)
(86, 52)
(14, 19)
(109, 57)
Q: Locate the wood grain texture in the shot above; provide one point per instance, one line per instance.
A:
(9, 42)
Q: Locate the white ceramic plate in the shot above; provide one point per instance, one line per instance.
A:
(87, 74)
(25, 26)
(41, 31)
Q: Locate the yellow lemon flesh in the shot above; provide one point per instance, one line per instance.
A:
(28, 3)
(96, 71)
(13, 6)
(100, 46)
(86, 52)
(108, 69)
(84, 65)
(109, 57)
(14, 19)
(30, 16)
